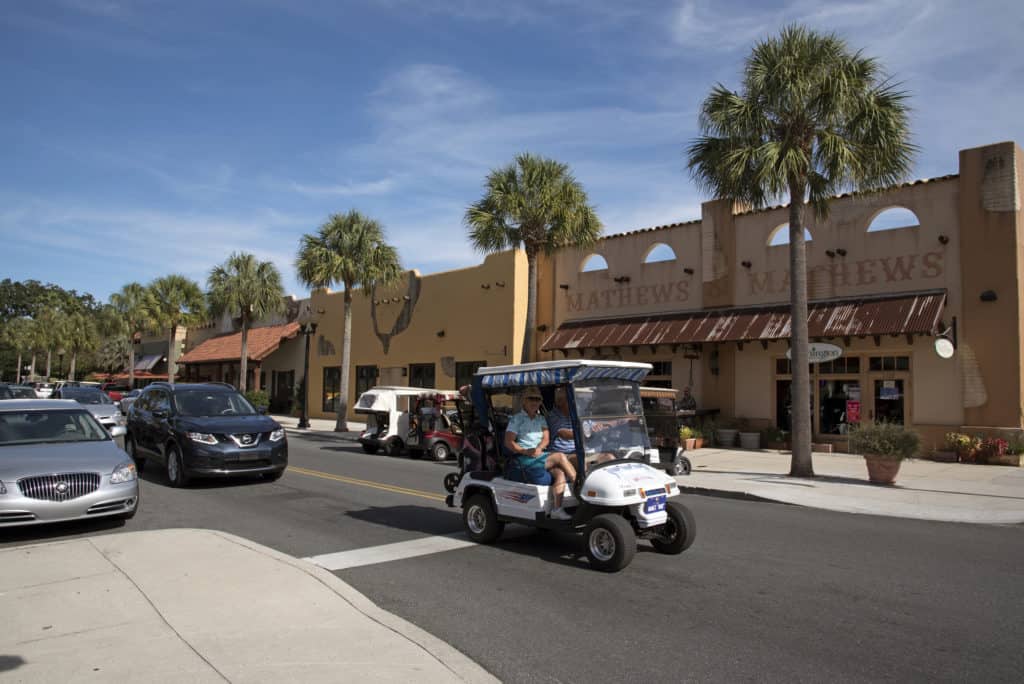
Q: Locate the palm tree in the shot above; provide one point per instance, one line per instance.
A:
(348, 249)
(171, 301)
(812, 119)
(248, 287)
(17, 332)
(533, 202)
(79, 334)
(130, 303)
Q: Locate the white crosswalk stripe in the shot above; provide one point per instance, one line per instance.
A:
(423, 546)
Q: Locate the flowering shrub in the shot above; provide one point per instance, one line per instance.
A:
(889, 441)
(686, 432)
(993, 447)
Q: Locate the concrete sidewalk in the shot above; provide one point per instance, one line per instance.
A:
(200, 606)
(926, 490)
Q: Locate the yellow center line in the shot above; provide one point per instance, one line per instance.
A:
(367, 483)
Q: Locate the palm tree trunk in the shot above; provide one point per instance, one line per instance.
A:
(244, 363)
(32, 367)
(49, 363)
(172, 360)
(131, 362)
(800, 464)
(346, 347)
(74, 361)
(531, 305)
(17, 371)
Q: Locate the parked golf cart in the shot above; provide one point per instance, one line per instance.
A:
(617, 497)
(387, 417)
(663, 423)
(434, 425)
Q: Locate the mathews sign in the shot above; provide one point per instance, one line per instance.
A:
(819, 352)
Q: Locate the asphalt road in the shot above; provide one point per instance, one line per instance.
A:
(767, 593)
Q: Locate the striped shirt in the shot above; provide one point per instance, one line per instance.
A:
(557, 421)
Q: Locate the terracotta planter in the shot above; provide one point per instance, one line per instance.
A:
(698, 442)
(691, 443)
(882, 470)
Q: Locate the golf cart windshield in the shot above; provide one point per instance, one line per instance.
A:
(611, 417)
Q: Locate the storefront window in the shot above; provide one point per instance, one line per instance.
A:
(332, 388)
(890, 363)
(366, 377)
(889, 404)
(464, 372)
(421, 375)
(784, 404)
(839, 406)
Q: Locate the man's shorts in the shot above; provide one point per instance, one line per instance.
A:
(529, 470)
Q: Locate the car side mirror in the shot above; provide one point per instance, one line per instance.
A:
(262, 410)
(118, 431)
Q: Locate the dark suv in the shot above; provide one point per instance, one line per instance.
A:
(204, 430)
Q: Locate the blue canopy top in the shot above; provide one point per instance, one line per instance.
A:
(560, 372)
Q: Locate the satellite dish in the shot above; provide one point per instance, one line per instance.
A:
(944, 348)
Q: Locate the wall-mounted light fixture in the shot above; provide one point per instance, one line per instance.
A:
(989, 296)
(829, 253)
(564, 286)
(621, 279)
(688, 271)
(500, 283)
(440, 333)
(840, 251)
(943, 240)
(746, 264)
(485, 286)
(542, 327)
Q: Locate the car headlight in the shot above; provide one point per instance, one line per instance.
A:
(277, 435)
(202, 437)
(123, 473)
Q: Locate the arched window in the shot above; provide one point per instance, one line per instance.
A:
(780, 236)
(893, 218)
(594, 262)
(659, 251)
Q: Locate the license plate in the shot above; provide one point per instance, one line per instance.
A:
(248, 456)
(654, 504)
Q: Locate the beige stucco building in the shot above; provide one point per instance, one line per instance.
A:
(713, 312)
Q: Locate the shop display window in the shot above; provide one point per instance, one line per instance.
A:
(839, 406)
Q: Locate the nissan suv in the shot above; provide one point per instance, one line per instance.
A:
(204, 430)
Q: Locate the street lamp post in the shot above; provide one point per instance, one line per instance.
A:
(308, 329)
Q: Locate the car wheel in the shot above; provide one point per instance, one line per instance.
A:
(680, 466)
(133, 451)
(440, 451)
(451, 482)
(393, 447)
(273, 476)
(480, 519)
(678, 533)
(370, 448)
(611, 542)
(175, 469)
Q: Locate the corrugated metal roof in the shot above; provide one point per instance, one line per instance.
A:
(907, 313)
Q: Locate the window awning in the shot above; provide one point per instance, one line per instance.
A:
(911, 313)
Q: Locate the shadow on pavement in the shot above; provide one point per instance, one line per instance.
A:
(158, 476)
(10, 662)
(52, 531)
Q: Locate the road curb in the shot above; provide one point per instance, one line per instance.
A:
(334, 436)
(461, 666)
(729, 494)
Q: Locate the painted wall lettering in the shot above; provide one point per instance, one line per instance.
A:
(884, 270)
(670, 292)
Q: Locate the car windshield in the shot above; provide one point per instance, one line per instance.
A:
(22, 392)
(85, 395)
(44, 427)
(611, 415)
(217, 403)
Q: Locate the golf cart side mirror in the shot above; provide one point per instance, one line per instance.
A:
(118, 431)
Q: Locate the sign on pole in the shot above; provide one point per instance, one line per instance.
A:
(819, 352)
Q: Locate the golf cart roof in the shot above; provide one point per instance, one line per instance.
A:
(443, 394)
(560, 372)
(404, 391)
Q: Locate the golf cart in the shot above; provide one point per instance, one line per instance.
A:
(617, 497)
(387, 417)
(434, 425)
(663, 423)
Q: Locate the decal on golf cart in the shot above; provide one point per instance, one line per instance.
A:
(516, 497)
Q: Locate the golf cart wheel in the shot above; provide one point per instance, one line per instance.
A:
(440, 451)
(393, 447)
(678, 533)
(370, 448)
(481, 522)
(680, 466)
(611, 542)
(451, 482)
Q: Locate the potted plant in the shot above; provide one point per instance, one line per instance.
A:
(965, 446)
(774, 438)
(884, 446)
(1014, 452)
(725, 433)
(698, 438)
(991, 450)
(686, 437)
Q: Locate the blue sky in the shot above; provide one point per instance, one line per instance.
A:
(147, 137)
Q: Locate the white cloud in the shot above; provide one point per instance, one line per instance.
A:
(377, 187)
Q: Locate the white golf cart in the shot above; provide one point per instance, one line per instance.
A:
(617, 497)
(387, 417)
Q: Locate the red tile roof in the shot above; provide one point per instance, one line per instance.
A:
(262, 341)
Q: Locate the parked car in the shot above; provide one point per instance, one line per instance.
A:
(96, 402)
(114, 390)
(57, 463)
(204, 430)
(17, 392)
(128, 399)
(43, 389)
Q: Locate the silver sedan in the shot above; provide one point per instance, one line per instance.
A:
(58, 463)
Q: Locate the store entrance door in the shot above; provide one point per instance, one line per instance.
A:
(890, 400)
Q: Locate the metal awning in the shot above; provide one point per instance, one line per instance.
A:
(147, 362)
(909, 313)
